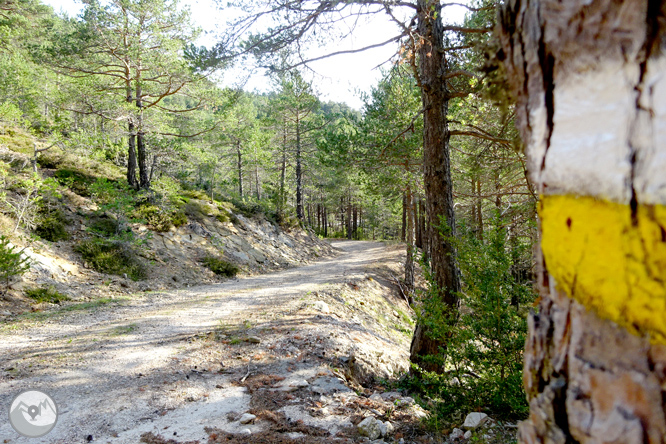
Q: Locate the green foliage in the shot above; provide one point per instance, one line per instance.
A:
(12, 262)
(158, 219)
(105, 226)
(220, 266)
(111, 257)
(52, 226)
(75, 180)
(46, 294)
(483, 357)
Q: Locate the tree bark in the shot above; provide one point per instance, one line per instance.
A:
(239, 165)
(299, 190)
(144, 181)
(589, 85)
(403, 230)
(437, 179)
(409, 260)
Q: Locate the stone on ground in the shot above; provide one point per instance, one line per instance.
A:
(370, 427)
(474, 420)
(247, 418)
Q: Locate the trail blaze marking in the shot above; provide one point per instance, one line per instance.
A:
(606, 261)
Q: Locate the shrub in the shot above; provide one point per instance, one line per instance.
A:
(105, 226)
(12, 262)
(220, 266)
(52, 226)
(158, 219)
(483, 358)
(75, 180)
(46, 294)
(111, 257)
(199, 210)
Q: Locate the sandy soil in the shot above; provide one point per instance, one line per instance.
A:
(163, 361)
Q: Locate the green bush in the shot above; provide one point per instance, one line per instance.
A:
(75, 180)
(12, 262)
(111, 257)
(52, 226)
(46, 294)
(220, 267)
(158, 219)
(483, 357)
(105, 226)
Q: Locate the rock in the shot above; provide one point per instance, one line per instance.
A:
(246, 432)
(247, 418)
(386, 428)
(456, 434)
(253, 340)
(370, 427)
(467, 435)
(325, 385)
(474, 420)
(301, 383)
(322, 306)
(376, 397)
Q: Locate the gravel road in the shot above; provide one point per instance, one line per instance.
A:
(119, 370)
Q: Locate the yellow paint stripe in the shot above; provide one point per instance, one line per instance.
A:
(610, 263)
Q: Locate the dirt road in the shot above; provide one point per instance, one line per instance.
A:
(125, 368)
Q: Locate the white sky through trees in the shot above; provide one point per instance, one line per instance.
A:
(340, 78)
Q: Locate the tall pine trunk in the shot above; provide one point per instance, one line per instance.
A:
(591, 107)
(409, 259)
(299, 179)
(437, 179)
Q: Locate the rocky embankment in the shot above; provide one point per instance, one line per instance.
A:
(172, 259)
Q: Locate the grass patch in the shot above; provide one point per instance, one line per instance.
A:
(46, 294)
(123, 330)
(52, 226)
(220, 266)
(111, 257)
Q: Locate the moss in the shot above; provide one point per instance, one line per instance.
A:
(52, 226)
(46, 294)
(199, 210)
(223, 217)
(196, 194)
(220, 266)
(112, 258)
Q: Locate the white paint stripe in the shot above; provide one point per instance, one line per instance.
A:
(595, 128)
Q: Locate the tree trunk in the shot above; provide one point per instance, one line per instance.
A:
(239, 165)
(403, 230)
(355, 223)
(144, 181)
(325, 216)
(417, 226)
(437, 179)
(131, 157)
(589, 83)
(299, 190)
(131, 134)
(409, 260)
(349, 219)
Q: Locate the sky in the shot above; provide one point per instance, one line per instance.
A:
(340, 78)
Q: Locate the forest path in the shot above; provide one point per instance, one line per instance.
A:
(122, 369)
